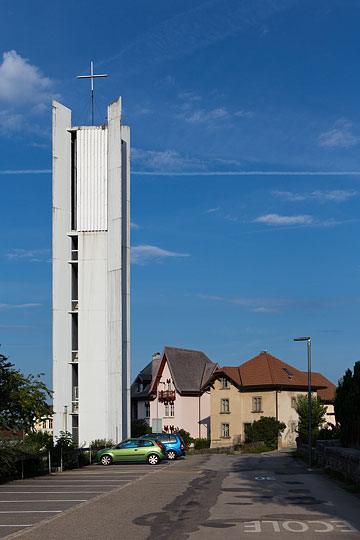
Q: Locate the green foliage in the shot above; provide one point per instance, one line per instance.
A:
(23, 400)
(138, 427)
(318, 414)
(329, 432)
(347, 407)
(185, 435)
(99, 444)
(201, 443)
(267, 430)
(10, 453)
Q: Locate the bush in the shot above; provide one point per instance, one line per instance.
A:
(99, 444)
(201, 443)
(266, 430)
(185, 435)
(138, 427)
(329, 432)
(318, 412)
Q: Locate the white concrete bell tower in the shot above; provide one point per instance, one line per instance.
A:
(91, 277)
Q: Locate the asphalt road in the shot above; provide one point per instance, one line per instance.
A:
(194, 498)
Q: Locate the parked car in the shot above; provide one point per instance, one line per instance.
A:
(150, 450)
(173, 443)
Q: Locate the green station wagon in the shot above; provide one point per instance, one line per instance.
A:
(150, 450)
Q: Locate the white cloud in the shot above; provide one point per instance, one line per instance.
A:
(22, 82)
(201, 116)
(18, 306)
(263, 309)
(244, 114)
(213, 210)
(276, 219)
(338, 137)
(336, 195)
(30, 255)
(145, 254)
(167, 160)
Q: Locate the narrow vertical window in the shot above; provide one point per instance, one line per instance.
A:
(256, 404)
(224, 406)
(225, 430)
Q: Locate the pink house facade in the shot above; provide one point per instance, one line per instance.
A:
(167, 392)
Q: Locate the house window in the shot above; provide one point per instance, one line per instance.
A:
(256, 404)
(293, 427)
(169, 386)
(44, 424)
(166, 410)
(293, 401)
(50, 423)
(224, 406)
(172, 409)
(147, 410)
(140, 387)
(224, 382)
(225, 430)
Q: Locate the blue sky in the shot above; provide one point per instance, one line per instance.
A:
(245, 130)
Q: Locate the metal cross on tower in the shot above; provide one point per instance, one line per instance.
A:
(92, 77)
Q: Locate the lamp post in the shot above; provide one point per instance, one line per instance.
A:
(157, 406)
(308, 339)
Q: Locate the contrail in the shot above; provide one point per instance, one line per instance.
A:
(26, 171)
(206, 173)
(248, 173)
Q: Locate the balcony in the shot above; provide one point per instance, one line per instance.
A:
(167, 395)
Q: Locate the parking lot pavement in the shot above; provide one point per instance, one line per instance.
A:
(24, 503)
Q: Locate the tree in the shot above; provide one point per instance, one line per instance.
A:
(267, 430)
(138, 427)
(318, 412)
(347, 407)
(185, 435)
(23, 400)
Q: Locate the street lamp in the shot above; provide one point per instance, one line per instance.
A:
(308, 339)
(157, 406)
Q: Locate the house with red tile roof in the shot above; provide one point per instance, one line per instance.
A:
(262, 386)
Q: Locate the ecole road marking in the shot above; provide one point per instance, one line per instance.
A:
(312, 526)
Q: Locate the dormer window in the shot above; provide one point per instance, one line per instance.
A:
(140, 387)
(224, 382)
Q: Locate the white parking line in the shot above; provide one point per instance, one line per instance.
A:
(52, 492)
(67, 485)
(45, 500)
(16, 525)
(32, 512)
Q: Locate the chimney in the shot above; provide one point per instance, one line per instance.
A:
(156, 356)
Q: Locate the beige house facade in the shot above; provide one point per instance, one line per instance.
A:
(263, 386)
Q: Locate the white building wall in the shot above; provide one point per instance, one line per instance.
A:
(61, 149)
(92, 336)
(101, 187)
(91, 171)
